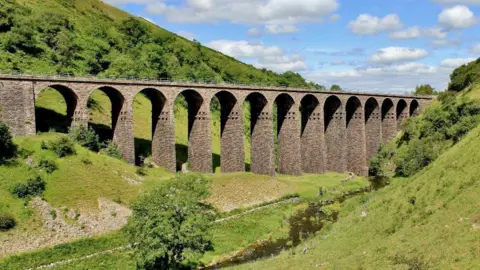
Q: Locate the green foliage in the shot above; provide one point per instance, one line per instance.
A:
(62, 146)
(171, 224)
(35, 186)
(7, 148)
(111, 149)
(424, 89)
(381, 161)
(141, 171)
(7, 222)
(426, 137)
(48, 165)
(90, 37)
(464, 75)
(335, 87)
(86, 137)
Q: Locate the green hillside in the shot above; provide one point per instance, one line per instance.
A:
(91, 37)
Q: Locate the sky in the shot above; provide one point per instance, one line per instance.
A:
(361, 45)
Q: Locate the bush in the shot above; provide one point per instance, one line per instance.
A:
(48, 165)
(20, 190)
(86, 137)
(7, 222)
(111, 149)
(178, 210)
(7, 148)
(35, 187)
(63, 147)
(141, 171)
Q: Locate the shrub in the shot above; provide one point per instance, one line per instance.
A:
(35, 187)
(86, 137)
(62, 146)
(7, 148)
(178, 210)
(48, 165)
(7, 222)
(111, 149)
(141, 171)
(20, 190)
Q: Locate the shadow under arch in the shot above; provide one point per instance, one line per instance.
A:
(334, 130)
(389, 128)
(260, 132)
(148, 142)
(231, 158)
(49, 115)
(312, 135)
(288, 135)
(373, 127)
(356, 161)
(401, 112)
(414, 108)
(104, 120)
(197, 152)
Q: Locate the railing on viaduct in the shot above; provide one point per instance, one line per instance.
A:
(317, 130)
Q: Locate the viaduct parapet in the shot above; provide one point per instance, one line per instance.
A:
(317, 130)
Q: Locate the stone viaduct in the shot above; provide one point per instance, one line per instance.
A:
(317, 130)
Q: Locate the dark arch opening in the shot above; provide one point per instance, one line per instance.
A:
(332, 110)
(253, 107)
(104, 106)
(308, 105)
(54, 108)
(148, 105)
(387, 106)
(334, 131)
(371, 109)
(373, 128)
(414, 108)
(354, 107)
(282, 113)
(190, 101)
(221, 107)
(401, 106)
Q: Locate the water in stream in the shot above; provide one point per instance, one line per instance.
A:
(302, 225)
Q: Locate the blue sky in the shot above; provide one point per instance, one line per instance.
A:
(371, 45)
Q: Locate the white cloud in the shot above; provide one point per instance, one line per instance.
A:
(244, 48)
(436, 32)
(410, 33)
(366, 24)
(457, 17)
(280, 12)
(334, 17)
(395, 78)
(445, 43)
(475, 49)
(187, 35)
(254, 32)
(270, 57)
(391, 55)
(456, 62)
(280, 29)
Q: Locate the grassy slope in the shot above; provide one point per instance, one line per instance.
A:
(440, 229)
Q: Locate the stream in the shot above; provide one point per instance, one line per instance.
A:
(302, 225)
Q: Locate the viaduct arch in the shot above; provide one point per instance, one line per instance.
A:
(317, 131)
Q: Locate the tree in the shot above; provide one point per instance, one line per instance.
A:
(170, 225)
(7, 148)
(424, 89)
(335, 87)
